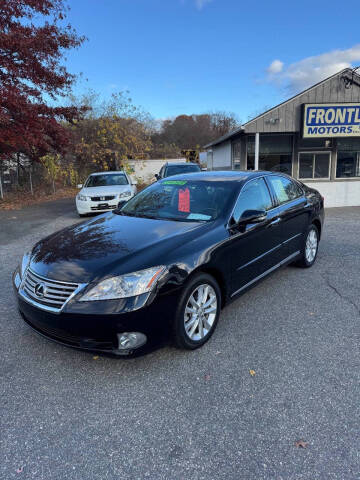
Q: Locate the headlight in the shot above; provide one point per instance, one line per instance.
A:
(83, 198)
(125, 194)
(24, 263)
(124, 286)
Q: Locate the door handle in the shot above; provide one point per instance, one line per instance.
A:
(275, 222)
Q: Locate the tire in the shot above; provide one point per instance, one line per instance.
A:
(310, 248)
(83, 215)
(191, 306)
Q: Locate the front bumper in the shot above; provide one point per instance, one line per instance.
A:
(99, 206)
(96, 328)
(93, 207)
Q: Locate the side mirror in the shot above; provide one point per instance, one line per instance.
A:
(157, 176)
(80, 185)
(134, 182)
(252, 216)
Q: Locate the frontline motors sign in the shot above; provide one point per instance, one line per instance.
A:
(331, 120)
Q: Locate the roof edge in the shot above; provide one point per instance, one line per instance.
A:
(225, 137)
(242, 127)
(301, 93)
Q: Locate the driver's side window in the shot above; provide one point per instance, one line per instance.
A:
(254, 196)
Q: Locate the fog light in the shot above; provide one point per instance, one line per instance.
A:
(17, 280)
(130, 340)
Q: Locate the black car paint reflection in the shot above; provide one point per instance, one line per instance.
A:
(235, 254)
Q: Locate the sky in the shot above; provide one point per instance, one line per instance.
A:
(195, 56)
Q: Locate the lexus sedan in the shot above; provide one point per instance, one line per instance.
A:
(168, 260)
(103, 191)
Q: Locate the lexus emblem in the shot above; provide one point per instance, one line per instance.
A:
(102, 198)
(40, 290)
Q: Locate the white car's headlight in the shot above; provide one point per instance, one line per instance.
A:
(81, 197)
(125, 194)
(124, 286)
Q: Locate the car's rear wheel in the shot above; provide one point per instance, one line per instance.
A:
(310, 248)
(198, 312)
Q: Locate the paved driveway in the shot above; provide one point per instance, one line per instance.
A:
(193, 415)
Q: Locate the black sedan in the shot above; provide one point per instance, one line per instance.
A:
(168, 260)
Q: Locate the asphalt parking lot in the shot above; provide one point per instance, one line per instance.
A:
(171, 414)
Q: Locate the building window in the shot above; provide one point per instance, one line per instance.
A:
(314, 165)
(275, 153)
(348, 158)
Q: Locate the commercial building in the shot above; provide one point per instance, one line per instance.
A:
(314, 136)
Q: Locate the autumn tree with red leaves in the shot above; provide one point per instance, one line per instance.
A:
(31, 72)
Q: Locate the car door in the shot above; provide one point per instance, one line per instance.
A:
(254, 246)
(293, 212)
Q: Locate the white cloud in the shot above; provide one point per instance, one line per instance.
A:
(200, 4)
(302, 74)
(275, 66)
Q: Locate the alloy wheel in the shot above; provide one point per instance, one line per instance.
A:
(200, 312)
(311, 246)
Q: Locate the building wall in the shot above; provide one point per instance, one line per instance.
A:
(145, 169)
(222, 156)
(339, 194)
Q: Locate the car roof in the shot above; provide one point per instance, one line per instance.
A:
(108, 172)
(222, 175)
(169, 164)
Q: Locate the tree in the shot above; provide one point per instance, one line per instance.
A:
(112, 132)
(31, 71)
(191, 132)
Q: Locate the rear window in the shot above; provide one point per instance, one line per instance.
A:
(176, 169)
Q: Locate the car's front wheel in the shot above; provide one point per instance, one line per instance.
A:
(198, 312)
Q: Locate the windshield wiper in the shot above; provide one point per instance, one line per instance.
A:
(135, 214)
(125, 214)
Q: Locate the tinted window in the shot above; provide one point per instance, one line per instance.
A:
(176, 169)
(254, 196)
(348, 164)
(314, 165)
(285, 189)
(182, 200)
(106, 180)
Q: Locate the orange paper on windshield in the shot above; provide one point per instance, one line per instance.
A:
(184, 200)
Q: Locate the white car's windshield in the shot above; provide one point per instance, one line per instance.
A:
(181, 200)
(107, 180)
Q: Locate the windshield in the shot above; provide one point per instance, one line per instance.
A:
(109, 179)
(176, 169)
(181, 200)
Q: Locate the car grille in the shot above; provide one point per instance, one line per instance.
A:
(51, 294)
(104, 207)
(102, 199)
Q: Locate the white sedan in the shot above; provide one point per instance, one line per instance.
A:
(104, 191)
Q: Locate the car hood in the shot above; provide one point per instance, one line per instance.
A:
(109, 245)
(104, 191)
